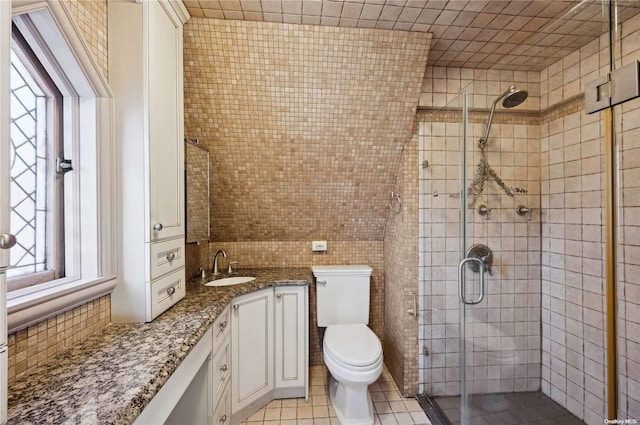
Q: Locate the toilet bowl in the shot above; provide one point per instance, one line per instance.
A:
(353, 355)
(351, 351)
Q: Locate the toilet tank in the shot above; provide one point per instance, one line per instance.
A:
(342, 294)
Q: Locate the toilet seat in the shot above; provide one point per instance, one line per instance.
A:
(353, 346)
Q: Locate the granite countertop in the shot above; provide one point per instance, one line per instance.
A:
(110, 377)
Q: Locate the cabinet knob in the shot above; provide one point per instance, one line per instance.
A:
(171, 256)
(7, 241)
(278, 295)
(223, 325)
(223, 418)
(171, 290)
(236, 306)
(157, 227)
(224, 368)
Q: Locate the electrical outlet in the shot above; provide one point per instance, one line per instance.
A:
(319, 246)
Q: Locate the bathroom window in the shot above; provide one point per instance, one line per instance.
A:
(65, 222)
(37, 191)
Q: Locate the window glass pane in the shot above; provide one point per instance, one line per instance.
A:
(28, 172)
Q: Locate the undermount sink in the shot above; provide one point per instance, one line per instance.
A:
(228, 281)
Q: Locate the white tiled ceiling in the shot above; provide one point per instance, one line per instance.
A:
(499, 34)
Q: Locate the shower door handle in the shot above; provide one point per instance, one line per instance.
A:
(462, 283)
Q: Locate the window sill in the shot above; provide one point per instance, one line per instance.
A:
(26, 309)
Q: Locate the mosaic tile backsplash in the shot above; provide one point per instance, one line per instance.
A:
(307, 117)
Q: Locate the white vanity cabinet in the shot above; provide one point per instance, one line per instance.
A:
(252, 350)
(269, 348)
(291, 341)
(145, 73)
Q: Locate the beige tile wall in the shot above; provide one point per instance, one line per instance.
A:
(573, 292)
(90, 17)
(401, 276)
(304, 124)
(573, 319)
(628, 138)
(32, 347)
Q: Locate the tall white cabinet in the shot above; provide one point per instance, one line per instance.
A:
(145, 73)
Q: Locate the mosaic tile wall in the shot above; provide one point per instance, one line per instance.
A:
(304, 124)
(91, 20)
(298, 254)
(295, 156)
(401, 276)
(32, 347)
(504, 333)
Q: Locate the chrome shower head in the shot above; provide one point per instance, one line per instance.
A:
(514, 97)
(510, 99)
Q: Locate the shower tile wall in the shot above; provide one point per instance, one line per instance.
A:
(505, 333)
(572, 284)
(628, 138)
(573, 320)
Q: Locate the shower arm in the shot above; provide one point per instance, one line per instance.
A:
(483, 141)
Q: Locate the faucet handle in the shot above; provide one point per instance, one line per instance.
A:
(230, 269)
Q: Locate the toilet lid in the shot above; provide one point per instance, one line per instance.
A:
(354, 345)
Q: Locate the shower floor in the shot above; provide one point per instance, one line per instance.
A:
(531, 408)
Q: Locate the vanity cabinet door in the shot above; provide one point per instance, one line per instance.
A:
(251, 348)
(165, 128)
(291, 340)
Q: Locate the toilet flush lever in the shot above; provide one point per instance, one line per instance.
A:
(321, 282)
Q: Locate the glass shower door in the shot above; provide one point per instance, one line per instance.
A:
(498, 274)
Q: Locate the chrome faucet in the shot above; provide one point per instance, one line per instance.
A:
(214, 271)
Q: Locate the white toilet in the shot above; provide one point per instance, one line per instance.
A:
(352, 352)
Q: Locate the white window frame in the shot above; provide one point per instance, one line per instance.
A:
(49, 134)
(90, 220)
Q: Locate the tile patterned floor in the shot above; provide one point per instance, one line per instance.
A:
(389, 405)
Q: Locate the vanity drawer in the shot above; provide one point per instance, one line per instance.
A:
(221, 328)
(221, 369)
(165, 292)
(165, 257)
(222, 412)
